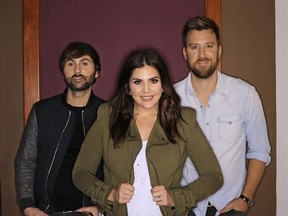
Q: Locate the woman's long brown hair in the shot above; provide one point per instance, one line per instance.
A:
(123, 103)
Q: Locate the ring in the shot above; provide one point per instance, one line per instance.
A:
(158, 199)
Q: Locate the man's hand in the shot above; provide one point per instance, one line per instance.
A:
(161, 196)
(90, 209)
(237, 204)
(32, 211)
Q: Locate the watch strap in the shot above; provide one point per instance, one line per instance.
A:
(247, 200)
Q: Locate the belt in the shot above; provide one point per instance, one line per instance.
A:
(211, 210)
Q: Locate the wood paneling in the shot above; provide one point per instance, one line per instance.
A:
(213, 11)
(30, 54)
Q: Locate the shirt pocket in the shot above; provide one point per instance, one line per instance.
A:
(230, 128)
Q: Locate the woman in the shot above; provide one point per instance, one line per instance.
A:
(144, 137)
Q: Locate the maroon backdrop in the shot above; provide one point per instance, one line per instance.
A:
(113, 29)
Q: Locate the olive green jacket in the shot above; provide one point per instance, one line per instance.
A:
(165, 163)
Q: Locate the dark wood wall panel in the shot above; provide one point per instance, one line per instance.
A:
(31, 54)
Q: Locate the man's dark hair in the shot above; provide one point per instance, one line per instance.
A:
(199, 23)
(77, 50)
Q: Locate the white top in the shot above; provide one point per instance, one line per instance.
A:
(234, 116)
(142, 203)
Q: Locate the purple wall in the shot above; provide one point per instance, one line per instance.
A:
(113, 29)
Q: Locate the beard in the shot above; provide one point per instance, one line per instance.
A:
(89, 80)
(204, 73)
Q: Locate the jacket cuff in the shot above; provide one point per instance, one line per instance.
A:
(184, 201)
(100, 196)
(25, 203)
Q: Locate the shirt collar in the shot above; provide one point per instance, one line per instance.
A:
(219, 86)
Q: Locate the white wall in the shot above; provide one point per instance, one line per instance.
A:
(281, 7)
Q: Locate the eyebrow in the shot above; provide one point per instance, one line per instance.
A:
(84, 59)
(157, 77)
(210, 42)
(193, 43)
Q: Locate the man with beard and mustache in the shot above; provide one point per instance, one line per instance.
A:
(53, 136)
(231, 116)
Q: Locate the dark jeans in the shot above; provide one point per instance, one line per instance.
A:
(234, 213)
(71, 213)
(211, 211)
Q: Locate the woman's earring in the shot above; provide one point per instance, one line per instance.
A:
(130, 93)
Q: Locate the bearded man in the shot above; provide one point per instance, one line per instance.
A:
(230, 113)
(53, 136)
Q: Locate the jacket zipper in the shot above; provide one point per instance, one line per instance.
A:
(84, 133)
(52, 162)
(83, 125)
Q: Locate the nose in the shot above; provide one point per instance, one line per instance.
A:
(77, 68)
(145, 87)
(202, 52)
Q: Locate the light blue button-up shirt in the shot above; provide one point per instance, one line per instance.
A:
(235, 126)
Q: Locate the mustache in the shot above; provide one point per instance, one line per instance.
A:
(78, 75)
(202, 59)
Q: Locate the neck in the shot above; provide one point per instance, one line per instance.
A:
(204, 87)
(142, 112)
(78, 98)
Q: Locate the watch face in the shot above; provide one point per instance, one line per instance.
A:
(250, 203)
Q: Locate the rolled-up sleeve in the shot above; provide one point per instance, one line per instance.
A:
(258, 146)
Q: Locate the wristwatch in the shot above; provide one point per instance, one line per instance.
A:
(247, 200)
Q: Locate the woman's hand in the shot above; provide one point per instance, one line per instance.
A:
(122, 194)
(161, 196)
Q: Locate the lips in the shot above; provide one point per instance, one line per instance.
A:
(203, 61)
(146, 98)
(78, 78)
